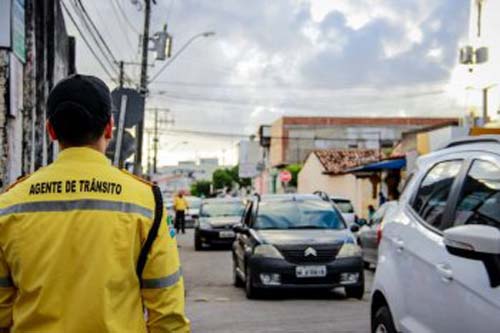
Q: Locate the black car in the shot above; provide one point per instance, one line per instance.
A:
(295, 241)
(216, 221)
(369, 235)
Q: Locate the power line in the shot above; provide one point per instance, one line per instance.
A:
(120, 22)
(87, 42)
(99, 40)
(93, 31)
(126, 19)
(235, 135)
(105, 23)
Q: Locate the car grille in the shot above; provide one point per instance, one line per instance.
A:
(223, 227)
(295, 254)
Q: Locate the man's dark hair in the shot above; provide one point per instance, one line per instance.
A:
(79, 108)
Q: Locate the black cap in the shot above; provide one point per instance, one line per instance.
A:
(80, 93)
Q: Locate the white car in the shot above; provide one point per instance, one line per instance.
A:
(346, 209)
(193, 212)
(439, 257)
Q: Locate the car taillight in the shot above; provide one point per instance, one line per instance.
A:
(379, 233)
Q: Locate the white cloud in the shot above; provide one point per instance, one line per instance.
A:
(301, 57)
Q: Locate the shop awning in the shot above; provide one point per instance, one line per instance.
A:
(393, 164)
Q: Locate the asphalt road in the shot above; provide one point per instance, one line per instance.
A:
(214, 305)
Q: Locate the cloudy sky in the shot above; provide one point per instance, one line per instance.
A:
(286, 57)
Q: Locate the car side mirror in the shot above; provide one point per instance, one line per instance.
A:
(477, 242)
(354, 228)
(241, 229)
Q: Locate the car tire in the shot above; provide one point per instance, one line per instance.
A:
(366, 265)
(237, 281)
(382, 322)
(250, 290)
(198, 244)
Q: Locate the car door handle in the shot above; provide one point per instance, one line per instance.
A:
(446, 272)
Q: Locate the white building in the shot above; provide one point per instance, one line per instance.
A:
(481, 59)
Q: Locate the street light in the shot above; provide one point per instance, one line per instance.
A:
(182, 49)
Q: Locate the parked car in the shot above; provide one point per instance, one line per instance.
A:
(370, 234)
(169, 205)
(193, 212)
(346, 209)
(216, 222)
(441, 249)
(295, 241)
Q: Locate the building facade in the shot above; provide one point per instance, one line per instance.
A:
(41, 54)
(294, 138)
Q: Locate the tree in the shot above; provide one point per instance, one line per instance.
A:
(243, 182)
(222, 178)
(201, 188)
(227, 177)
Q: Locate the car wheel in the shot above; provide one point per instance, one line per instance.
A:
(382, 323)
(250, 290)
(198, 244)
(366, 264)
(237, 281)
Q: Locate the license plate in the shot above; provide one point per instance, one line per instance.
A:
(310, 271)
(227, 234)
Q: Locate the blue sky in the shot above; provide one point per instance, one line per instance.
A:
(289, 57)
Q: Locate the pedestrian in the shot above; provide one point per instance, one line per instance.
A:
(371, 212)
(180, 207)
(75, 235)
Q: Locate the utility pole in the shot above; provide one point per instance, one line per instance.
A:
(122, 73)
(160, 120)
(143, 86)
(155, 143)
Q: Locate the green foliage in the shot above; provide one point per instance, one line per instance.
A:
(243, 182)
(222, 178)
(201, 188)
(294, 170)
(227, 177)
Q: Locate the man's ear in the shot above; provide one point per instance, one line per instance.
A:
(50, 129)
(108, 130)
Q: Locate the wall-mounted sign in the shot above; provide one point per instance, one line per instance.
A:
(12, 27)
(18, 28)
(5, 14)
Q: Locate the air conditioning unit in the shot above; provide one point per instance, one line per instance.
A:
(467, 55)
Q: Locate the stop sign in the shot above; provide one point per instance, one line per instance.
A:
(285, 176)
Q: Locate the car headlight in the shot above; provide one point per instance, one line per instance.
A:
(349, 250)
(267, 251)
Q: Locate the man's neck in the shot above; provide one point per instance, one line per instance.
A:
(98, 146)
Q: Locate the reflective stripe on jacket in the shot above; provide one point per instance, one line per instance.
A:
(70, 237)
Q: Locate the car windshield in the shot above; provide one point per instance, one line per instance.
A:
(297, 214)
(194, 202)
(218, 209)
(344, 206)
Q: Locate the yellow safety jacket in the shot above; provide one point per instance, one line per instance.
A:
(70, 237)
(180, 204)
